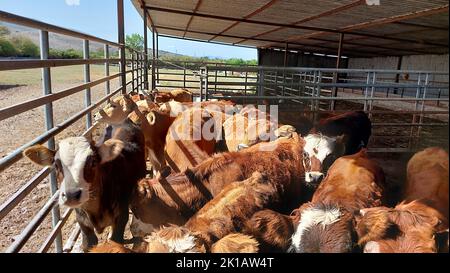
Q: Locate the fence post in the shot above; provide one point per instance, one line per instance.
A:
(107, 83)
(184, 75)
(411, 134)
(133, 66)
(47, 89)
(372, 91)
(366, 90)
(121, 40)
(206, 84)
(87, 78)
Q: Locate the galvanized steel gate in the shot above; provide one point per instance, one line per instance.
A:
(128, 57)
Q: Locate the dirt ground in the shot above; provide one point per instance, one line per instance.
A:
(16, 131)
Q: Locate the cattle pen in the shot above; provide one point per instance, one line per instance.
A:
(308, 70)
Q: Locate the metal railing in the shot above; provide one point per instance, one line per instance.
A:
(137, 82)
(422, 104)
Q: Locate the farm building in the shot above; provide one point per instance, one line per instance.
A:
(316, 59)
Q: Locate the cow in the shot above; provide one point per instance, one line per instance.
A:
(186, 134)
(180, 95)
(326, 223)
(420, 222)
(251, 126)
(173, 199)
(226, 213)
(97, 179)
(154, 125)
(272, 230)
(355, 126)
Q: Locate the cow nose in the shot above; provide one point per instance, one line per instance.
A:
(72, 195)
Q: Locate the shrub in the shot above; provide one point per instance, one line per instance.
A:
(7, 49)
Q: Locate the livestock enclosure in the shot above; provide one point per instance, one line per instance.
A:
(312, 63)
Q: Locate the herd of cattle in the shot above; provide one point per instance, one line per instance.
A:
(244, 183)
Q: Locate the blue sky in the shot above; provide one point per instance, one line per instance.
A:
(98, 17)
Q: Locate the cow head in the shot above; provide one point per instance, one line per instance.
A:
(116, 111)
(323, 229)
(319, 153)
(77, 164)
(404, 229)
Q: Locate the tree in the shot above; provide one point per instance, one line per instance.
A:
(135, 41)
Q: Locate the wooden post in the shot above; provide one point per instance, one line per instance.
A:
(145, 51)
(121, 41)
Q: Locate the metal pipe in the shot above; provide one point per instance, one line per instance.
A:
(48, 112)
(133, 79)
(16, 109)
(153, 60)
(14, 156)
(87, 79)
(26, 233)
(18, 196)
(121, 40)
(29, 64)
(108, 83)
(145, 51)
(72, 239)
(338, 64)
(31, 23)
(56, 230)
(157, 57)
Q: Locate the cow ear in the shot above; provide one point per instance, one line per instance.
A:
(110, 150)
(40, 155)
(340, 142)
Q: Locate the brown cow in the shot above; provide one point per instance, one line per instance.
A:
(419, 221)
(181, 95)
(175, 198)
(226, 212)
(271, 229)
(326, 223)
(97, 180)
(187, 134)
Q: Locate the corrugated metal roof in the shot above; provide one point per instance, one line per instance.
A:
(394, 27)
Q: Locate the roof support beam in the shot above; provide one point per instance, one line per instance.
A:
(317, 16)
(144, 9)
(328, 41)
(197, 6)
(263, 40)
(318, 29)
(257, 11)
(378, 22)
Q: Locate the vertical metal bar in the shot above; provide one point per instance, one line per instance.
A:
(87, 78)
(107, 83)
(138, 71)
(121, 41)
(145, 51)
(133, 67)
(422, 108)
(201, 83)
(184, 75)
(206, 84)
(336, 74)
(366, 90)
(215, 80)
(153, 59)
(372, 91)
(157, 57)
(47, 89)
(411, 134)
